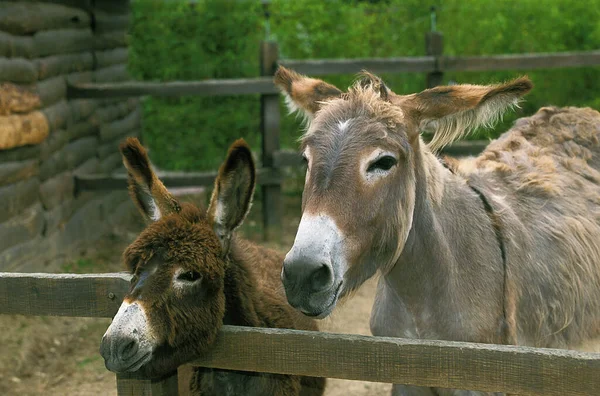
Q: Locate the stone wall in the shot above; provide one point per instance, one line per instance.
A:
(46, 138)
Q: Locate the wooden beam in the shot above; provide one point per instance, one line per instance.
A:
(270, 120)
(520, 61)
(316, 67)
(265, 176)
(445, 364)
(239, 86)
(132, 385)
(88, 295)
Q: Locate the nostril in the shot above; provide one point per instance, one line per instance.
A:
(322, 278)
(127, 349)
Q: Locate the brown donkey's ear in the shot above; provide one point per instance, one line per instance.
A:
(453, 111)
(234, 188)
(302, 93)
(146, 190)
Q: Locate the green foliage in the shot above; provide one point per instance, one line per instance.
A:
(182, 41)
(220, 39)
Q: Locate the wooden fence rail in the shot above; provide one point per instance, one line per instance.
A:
(493, 368)
(318, 67)
(273, 159)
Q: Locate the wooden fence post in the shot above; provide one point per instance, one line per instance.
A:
(434, 46)
(270, 125)
(130, 385)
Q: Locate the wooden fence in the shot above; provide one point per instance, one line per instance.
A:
(459, 365)
(273, 158)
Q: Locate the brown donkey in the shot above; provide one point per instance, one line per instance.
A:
(502, 248)
(191, 275)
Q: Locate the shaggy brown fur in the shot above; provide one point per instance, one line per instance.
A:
(501, 248)
(191, 276)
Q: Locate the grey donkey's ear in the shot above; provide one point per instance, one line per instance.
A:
(147, 192)
(233, 192)
(303, 94)
(453, 111)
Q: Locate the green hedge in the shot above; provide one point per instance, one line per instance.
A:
(220, 39)
(173, 40)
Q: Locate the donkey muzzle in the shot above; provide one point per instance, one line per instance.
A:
(312, 272)
(127, 345)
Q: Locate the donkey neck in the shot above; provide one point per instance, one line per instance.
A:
(240, 292)
(449, 274)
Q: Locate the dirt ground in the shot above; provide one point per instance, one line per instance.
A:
(59, 356)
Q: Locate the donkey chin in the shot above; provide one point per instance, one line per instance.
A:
(128, 343)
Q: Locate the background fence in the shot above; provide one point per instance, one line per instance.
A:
(459, 365)
(273, 158)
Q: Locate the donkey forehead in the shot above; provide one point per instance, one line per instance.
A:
(332, 137)
(174, 241)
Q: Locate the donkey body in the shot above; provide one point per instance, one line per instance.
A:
(191, 276)
(502, 248)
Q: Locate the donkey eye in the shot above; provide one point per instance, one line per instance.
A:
(189, 276)
(304, 159)
(384, 163)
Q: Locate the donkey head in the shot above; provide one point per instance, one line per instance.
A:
(176, 301)
(362, 149)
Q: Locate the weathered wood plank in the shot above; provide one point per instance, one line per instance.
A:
(460, 365)
(56, 190)
(520, 61)
(317, 67)
(264, 85)
(112, 73)
(63, 41)
(17, 70)
(21, 228)
(109, 40)
(87, 295)
(499, 368)
(80, 4)
(114, 7)
(270, 127)
(110, 163)
(106, 22)
(51, 66)
(52, 90)
(434, 46)
(114, 129)
(27, 18)
(12, 172)
(240, 86)
(131, 385)
(16, 46)
(111, 57)
(58, 115)
(170, 179)
(111, 112)
(69, 156)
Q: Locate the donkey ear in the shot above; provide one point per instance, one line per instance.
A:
(146, 190)
(232, 195)
(303, 94)
(453, 111)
